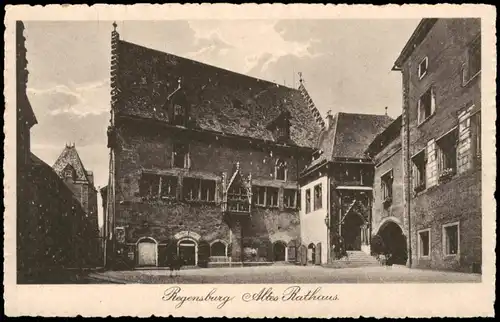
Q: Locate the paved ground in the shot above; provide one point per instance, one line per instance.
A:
(286, 274)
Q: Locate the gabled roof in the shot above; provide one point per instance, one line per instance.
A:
(220, 100)
(42, 173)
(69, 156)
(349, 135)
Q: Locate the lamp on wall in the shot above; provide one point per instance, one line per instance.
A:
(327, 221)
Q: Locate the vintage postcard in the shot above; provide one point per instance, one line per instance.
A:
(250, 160)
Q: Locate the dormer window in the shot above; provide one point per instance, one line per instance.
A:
(280, 170)
(69, 172)
(282, 132)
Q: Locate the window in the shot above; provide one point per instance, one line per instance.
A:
(179, 115)
(282, 132)
(198, 189)
(289, 198)
(191, 189)
(424, 243)
(207, 190)
(447, 154)
(180, 155)
(419, 171)
(425, 105)
(451, 239)
(259, 195)
(422, 67)
(280, 170)
(168, 187)
(238, 199)
(474, 58)
(386, 182)
(308, 201)
(272, 197)
(476, 135)
(149, 185)
(318, 199)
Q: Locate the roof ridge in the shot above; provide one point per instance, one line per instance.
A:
(211, 66)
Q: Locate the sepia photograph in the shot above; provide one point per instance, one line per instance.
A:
(249, 151)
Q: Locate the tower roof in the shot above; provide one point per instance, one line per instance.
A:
(69, 156)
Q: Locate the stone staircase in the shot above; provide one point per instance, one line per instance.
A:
(355, 259)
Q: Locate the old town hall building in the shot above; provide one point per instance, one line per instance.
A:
(204, 162)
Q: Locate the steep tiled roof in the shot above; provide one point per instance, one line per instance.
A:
(219, 100)
(349, 136)
(390, 133)
(69, 156)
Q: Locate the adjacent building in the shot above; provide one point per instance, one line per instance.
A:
(52, 233)
(204, 162)
(70, 169)
(388, 220)
(336, 187)
(441, 143)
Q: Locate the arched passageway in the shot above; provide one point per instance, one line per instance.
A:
(311, 253)
(394, 242)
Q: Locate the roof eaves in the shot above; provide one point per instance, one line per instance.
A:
(419, 33)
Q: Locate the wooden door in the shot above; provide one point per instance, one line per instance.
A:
(147, 254)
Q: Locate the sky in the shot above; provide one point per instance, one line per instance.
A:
(346, 67)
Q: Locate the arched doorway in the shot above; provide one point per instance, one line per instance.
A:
(311, 253)
(352, 230)
(187, 249)
(147, 252)
(279, 251)
(395, 242)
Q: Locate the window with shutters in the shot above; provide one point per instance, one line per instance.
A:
(426, 106)
(418, 171)
(474, 58)
(447, 155)
(476, 137)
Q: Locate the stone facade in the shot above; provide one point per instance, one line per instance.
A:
(445, 211)
(218, 187)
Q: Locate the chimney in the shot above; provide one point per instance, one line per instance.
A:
(329, 119)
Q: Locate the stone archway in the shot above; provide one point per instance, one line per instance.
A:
(394, 242)
(187, 250)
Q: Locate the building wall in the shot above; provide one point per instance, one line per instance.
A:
(313, 228)
(390, 158)
(459, 199)
(142, 149)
